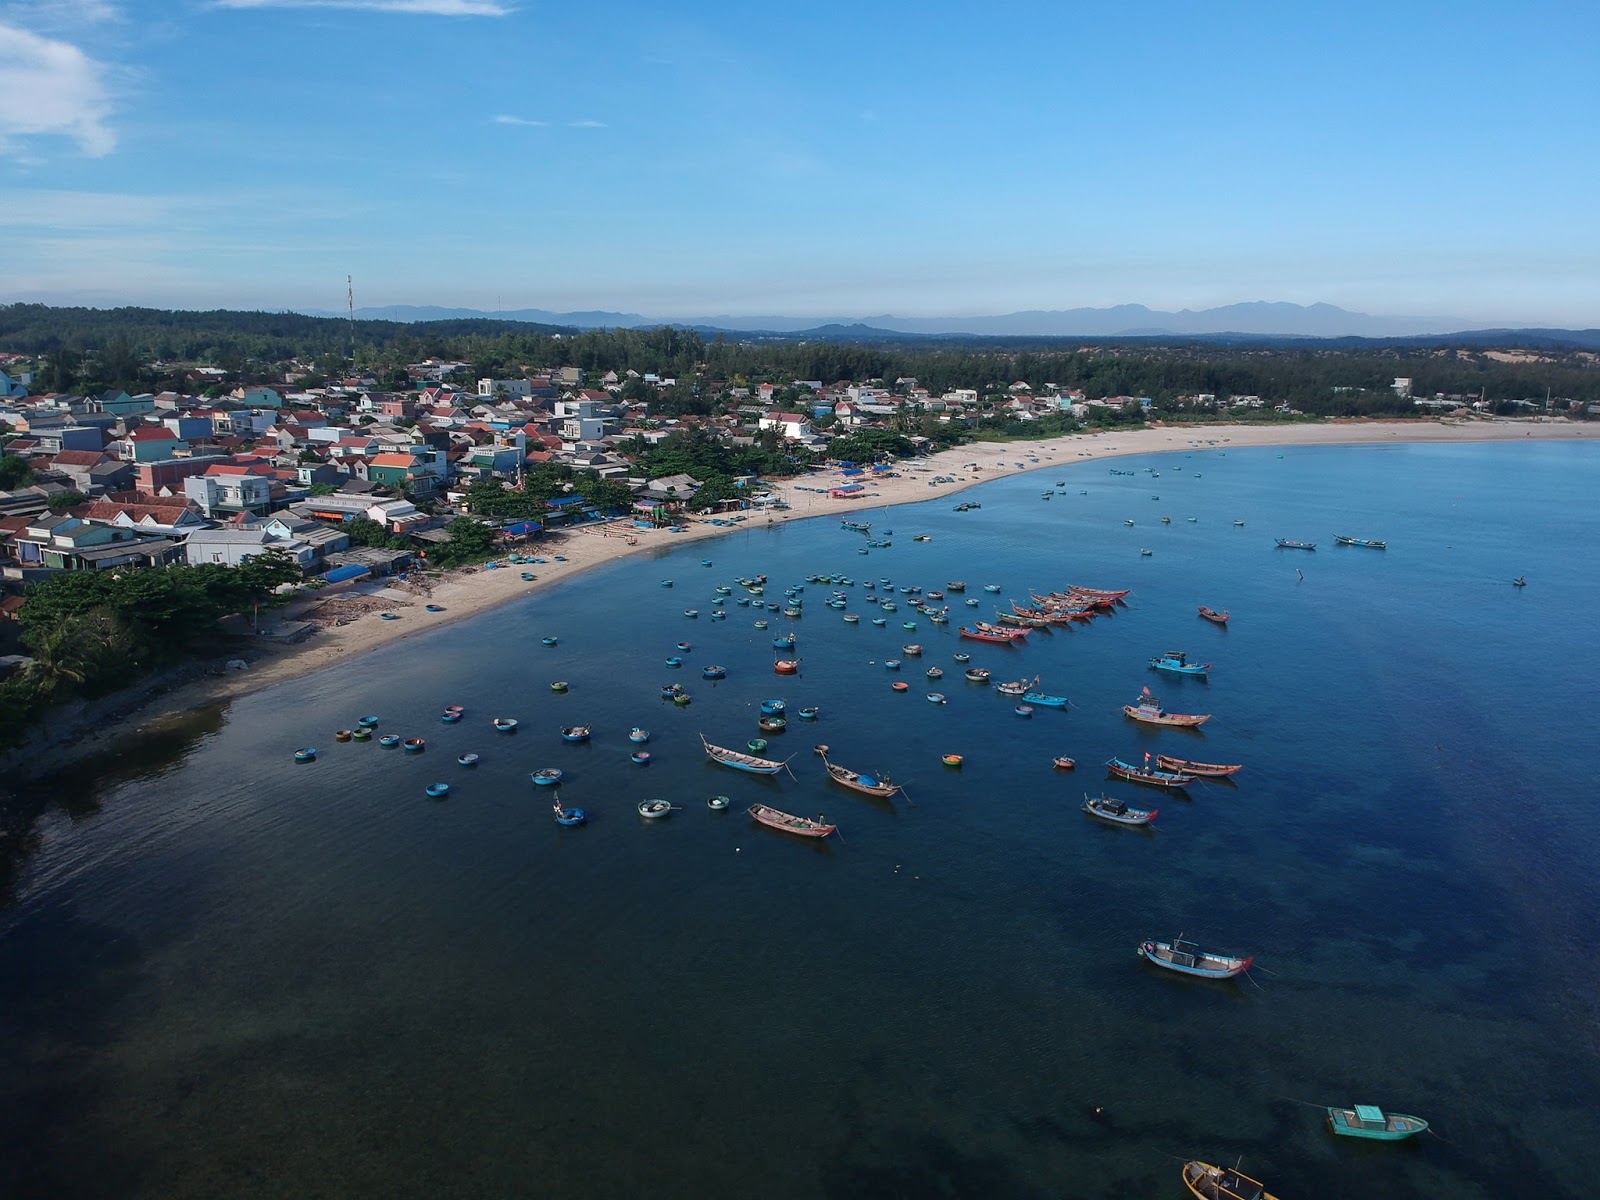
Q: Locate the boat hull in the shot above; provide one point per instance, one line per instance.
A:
(1206, 966)
(1177, 720)
(1374, 1125)
(789, 823)
(1182, 766)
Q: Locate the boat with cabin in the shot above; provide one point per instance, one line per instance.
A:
(1187, 958)
(1176, 662)
(790, 823)
(1147, 709)
(1118, 812)
(1368, 1121)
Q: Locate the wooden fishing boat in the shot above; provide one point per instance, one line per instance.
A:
(1118, 812)
(1290, 544)
(1062, 763)
(999, 639)
(1186, 958)
(742, 762)
(1222, 1183)
(1023, 620)
(1184, 766)
(1057, 611)
(1177, 663)
(880, 787)
(1367, 1121)
(1148, 710)
(956, 585)
(1015, 635)
(790, 823)
(1018, 688)
(1369, 543)
(575, 733)
(1147, 775)
(1100, 593)
(1211, 614)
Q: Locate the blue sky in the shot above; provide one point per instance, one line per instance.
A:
(833, 159)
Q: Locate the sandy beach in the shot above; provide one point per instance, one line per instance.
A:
(348, 623)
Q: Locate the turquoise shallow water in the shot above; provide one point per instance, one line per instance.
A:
(225, 974)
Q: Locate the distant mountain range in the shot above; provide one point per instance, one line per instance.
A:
(1259, 318)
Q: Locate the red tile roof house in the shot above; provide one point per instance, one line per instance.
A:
(150, 443)
(146, 518)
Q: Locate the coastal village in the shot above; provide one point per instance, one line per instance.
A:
(119, 481)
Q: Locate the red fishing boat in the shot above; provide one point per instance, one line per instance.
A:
(790, 823)
(1221, 618)
(1001, 630)
(1184, 766)
(982, 636)
(1102, 593)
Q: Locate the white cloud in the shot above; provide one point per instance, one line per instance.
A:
(507, 119)
(59, 14)
(51, 88)
(436, 8)
(587, 124)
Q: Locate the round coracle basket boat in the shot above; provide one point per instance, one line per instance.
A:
(305, 754)
(438, 790)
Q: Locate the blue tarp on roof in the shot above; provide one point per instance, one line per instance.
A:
(352, 571)
(561, 501)
(523, 527)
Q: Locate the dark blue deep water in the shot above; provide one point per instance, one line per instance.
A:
(223, 974)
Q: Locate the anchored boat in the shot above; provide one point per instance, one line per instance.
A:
(1147, 709)
(1117, 811)
(879, 787)
(1366, 1121)
(1222, 1183)
(1171, 780)
(1184, 766)
(1176, 662)
(790, 823)
(742, 762)
(1186, 958)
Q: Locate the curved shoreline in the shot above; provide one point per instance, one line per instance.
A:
(468, 593)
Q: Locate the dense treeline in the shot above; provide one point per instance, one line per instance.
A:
(88, 348)
(89, 633)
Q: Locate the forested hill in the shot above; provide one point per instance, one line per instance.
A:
(82, 347)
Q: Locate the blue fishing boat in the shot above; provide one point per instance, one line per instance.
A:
(1177, 663)
(569, 816)
(742, 762)
(1367, 1121)
(467, 760)
(1290, 544)
(713, 672)
(1045, 701)
(772, 707)
(575, 733)
(546, 776)
(638, 736)
(438, 790)
(1171, 780)
(305, 754)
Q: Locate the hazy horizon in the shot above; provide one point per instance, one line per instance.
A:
(492, 155)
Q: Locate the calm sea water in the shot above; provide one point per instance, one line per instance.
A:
(223, 974)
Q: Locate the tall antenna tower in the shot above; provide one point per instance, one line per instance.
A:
(350, 303)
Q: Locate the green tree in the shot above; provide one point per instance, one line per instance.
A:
(14, 473)
(62, 501)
